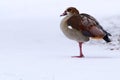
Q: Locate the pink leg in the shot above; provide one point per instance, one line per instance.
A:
(81, 54)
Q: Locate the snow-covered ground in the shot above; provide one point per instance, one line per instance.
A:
(32, 47)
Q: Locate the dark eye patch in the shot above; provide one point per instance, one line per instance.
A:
(69, 9)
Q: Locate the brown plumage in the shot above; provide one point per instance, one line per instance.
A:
(83, 26)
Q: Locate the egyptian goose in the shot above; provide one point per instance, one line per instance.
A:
(81, 27)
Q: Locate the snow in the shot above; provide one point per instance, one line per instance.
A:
(32, 46)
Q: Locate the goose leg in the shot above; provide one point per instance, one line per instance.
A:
(81, 54)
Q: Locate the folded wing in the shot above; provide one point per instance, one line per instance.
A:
(88, 25)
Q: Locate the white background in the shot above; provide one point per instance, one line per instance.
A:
(32, 46)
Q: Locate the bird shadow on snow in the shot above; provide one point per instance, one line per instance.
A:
(89, 57)
(98, 57)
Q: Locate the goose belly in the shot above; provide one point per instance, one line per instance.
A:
(72, 33)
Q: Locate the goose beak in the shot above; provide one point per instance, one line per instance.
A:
(63, 14)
